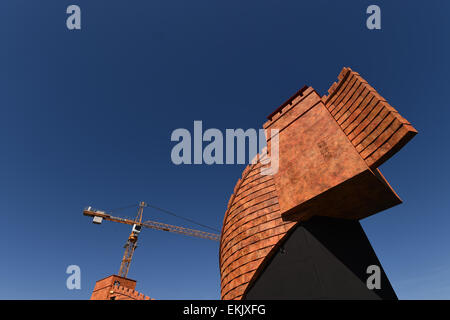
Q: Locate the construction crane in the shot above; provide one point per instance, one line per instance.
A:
(131, 244)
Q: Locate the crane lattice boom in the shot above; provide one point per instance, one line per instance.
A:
(154, 225)
(131, 244)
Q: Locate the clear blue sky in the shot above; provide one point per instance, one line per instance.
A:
(86, 118)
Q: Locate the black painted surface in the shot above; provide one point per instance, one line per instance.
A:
(323, 258)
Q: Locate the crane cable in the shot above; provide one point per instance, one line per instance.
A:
(166, 212)
(180, 217)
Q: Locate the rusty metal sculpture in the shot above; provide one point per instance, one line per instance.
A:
(329, 151)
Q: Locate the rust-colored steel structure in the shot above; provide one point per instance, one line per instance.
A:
(329, 149)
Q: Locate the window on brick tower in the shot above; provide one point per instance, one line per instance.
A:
(112, 298)
(116, 283)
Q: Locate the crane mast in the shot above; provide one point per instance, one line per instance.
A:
(137, 223)
(131, 243)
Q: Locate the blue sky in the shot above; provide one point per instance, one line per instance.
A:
(86, 118)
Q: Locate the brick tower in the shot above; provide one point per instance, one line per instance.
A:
(116, 288)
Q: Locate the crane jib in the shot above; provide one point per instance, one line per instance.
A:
(153, 225)
(131, 245)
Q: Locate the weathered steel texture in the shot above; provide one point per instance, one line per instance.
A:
(329, 150)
